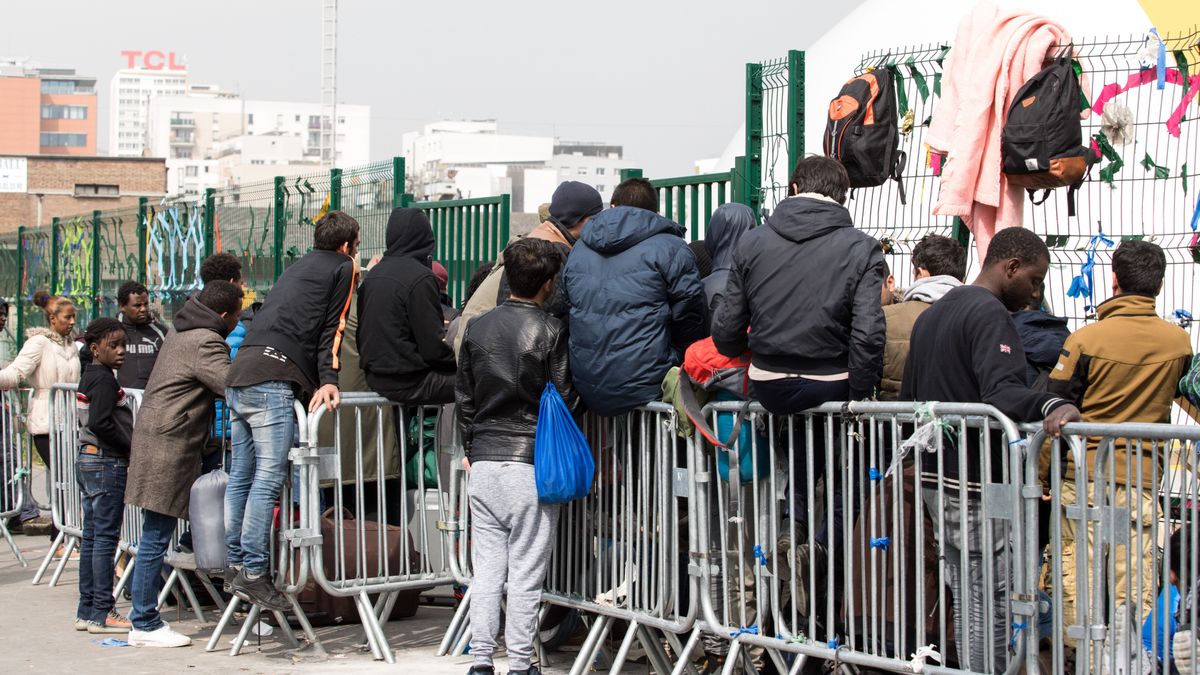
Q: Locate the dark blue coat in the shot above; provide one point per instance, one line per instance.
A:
(636, 304)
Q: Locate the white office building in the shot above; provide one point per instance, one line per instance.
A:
(464, 159)
(216, 139)
(129, 106)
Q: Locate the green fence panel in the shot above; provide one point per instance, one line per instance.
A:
(468, 232)
(304, 201)
(243, 223)
(367, 194)
(75, 251)
(36, 275)
(10, 288)
(691, 200)
(174, 250)
(118, 256)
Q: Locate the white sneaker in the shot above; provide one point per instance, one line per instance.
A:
(163, 637)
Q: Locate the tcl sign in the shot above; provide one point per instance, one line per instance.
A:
(152, 60)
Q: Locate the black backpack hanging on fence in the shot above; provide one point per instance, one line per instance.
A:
(1041, 145)
(863, 131)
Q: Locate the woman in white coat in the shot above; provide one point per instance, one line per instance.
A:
(48, 357)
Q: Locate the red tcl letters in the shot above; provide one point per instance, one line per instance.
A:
(151, 60)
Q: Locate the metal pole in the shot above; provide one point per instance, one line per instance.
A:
(397, 181)
(96, 297)
(142, 228)
(280, 226)
(739, 180)
(335, 189)
(20, 286)
(754, 125)
(505, 210)
(55, 242)
(210, 221)
(795, 119)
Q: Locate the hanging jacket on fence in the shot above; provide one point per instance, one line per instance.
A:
(176, 411)
(46, 359)
(804, 317)
(636, 303)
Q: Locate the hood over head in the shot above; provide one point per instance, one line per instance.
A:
(409, 235)
(727, 225)
(623, 227)
(931, 289)
(802, 218)
(195, 315)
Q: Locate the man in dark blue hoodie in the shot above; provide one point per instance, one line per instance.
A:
(635, 299)
(725, 229)
(400, 329)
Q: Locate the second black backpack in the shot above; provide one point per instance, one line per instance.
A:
(863, 130)
(1041, 145)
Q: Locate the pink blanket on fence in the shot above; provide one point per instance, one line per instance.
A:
(995, 52)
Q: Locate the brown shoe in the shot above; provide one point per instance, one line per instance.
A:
(113, 623)
(41, 525)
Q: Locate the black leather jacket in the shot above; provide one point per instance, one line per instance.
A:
(507, 357)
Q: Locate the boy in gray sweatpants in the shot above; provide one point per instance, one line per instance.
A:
(507, 357)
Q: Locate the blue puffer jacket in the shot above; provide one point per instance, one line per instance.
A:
(636, 303)
(234, 340)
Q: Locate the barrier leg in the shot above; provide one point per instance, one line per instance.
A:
(366, 615)
(226, 617)
(288, 635)
(587, 653)
(244, 633)
(72, 541)
(389, 603)
(168, 586)
(58, 540)
(731, 658)
(190, 593)
(685, 654)
(464, 642)
(623, 652)
(212, 591)
(126, 575)
(457, 624)
(306, 627)
(13, 544)
(539, 649)
(655, 651)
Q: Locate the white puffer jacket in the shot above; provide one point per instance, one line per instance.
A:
(47, 359)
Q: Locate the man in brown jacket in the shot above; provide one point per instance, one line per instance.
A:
(939, 264)
(172, 427)
(1123, 368)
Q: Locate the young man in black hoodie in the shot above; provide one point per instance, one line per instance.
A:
(290, 353)
(143, 335)
(966, 349)
(400, 327)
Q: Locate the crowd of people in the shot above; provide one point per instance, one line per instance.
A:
(604, 303)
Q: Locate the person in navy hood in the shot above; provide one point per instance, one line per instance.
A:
(635, 302)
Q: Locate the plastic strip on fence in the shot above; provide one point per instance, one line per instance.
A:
(875, 584)
(1121, 559)
(14, 466)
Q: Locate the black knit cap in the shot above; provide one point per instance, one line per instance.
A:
(573, 201)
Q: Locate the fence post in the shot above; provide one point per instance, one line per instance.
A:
(210, 221)
(96, 264)
(142, 229)
(280, 226)
(754, 125)
(398, 182)
(795, 118)
(626, 174)
(738, 184)
(20, 286)
(335, 189)
(55, 243)
(505, 211)
(960, 233)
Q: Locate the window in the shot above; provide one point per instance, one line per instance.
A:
(52, 139)
(599, 171)
(257, 162)
(582, 171)
(191, 171)
(88, 190)
(250, 118)
(297, 118)
(58, 86)
(599, 188)
(64, 112)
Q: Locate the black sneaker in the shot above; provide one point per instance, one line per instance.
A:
(482, 670)
(531, 670)
(228, 575)
(260, 591)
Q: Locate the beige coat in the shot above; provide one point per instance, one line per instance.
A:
(47, 359)
(175, 418)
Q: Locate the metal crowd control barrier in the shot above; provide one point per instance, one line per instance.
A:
(66, 506)
(888, 580)
(14, 465)
(621, 552)
(360, 545)
(1124, 543)
(291, 570)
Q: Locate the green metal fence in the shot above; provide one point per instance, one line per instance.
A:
(468, 232)
(691, 200)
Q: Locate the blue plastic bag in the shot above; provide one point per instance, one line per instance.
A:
(562, 459)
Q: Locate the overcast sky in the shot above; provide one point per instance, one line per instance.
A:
(664, 79)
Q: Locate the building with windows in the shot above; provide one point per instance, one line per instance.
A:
(461, 159)
(35, 188)
(130, 94)
(214, 139)
(46, 110)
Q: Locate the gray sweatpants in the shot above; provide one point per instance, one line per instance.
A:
(512, 535)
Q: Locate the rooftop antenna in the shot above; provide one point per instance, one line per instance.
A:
(328, 83)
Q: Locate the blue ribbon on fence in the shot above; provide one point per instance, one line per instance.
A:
(760, 555)
(1183, 318)
(1017, 628)
(833, 644)
(1196, 215)
(875, 474)
(882, 542)
(745, 630)
(1081, 285)
(1160, 66)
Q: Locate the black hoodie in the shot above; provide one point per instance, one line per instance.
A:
(399, 316)
(807, 287)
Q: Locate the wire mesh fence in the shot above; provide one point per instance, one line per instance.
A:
(244, 225)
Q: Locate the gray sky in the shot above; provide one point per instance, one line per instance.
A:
(664, 79)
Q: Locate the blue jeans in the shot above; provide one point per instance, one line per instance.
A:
(102, 484)
(157, 530)
(263, 429)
